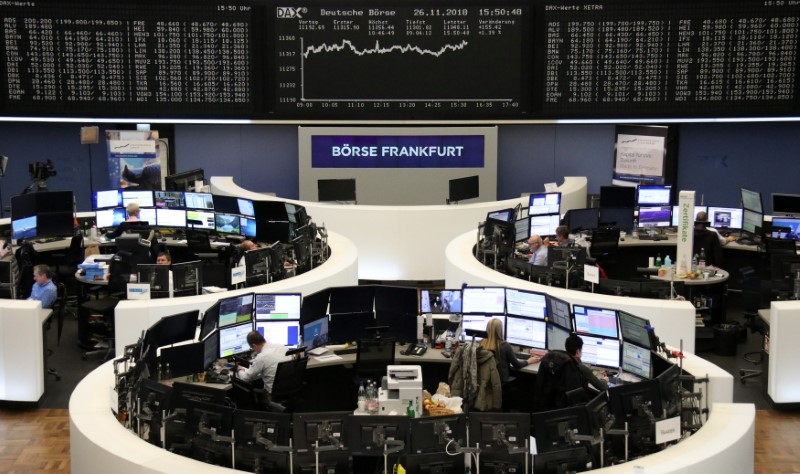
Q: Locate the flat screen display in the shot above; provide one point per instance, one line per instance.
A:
(227, 224)
(600, 351)
(143, 198)
(793, 224)
(655, 216)
(233, 340)
(24, 228)
(236, 309)
(785, 203)
(526, 303)
(522, 231)
(634, 329)
(544, 225)
(595, 321)
(751, 221)
(544, 203)
(146, 214)
(315, 333)
(199, 201)
(277, 306)
(526, 332)
(247, 226)
(246, 207)
(169, 199)
(105, 218)
(654, 195)
(751, 200)
(277, 331)
(559, 312)
(556, 337)
(582, 219)
(170, 218)
(484, 300)
(503, 215)
(478, 322)
(727, 217)
(637, 360)
(104, 199)
(617, 196)
(439, 301)
(200, 219)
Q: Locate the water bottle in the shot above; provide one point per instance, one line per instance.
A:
(658, 261)
(362, 397)
(668, 262)
(635, 230)
(372, 399)
(701, 264)
(167, 372)
(410, 410)
(694, 263)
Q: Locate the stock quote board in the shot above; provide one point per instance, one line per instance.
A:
(399, 60)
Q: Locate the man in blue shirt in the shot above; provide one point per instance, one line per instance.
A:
(538, 250)
(44, 289)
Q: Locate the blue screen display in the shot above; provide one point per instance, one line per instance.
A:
(247, 226)
(425, 151)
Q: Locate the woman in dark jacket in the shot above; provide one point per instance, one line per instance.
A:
(503, 352)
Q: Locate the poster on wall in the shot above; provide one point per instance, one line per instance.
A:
(136, 159)
(639, 155)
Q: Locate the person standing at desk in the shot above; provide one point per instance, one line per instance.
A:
(133, 216)
(538, 251)
(44, 289)
(266, 362)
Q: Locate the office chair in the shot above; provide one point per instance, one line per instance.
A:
(780, 246)
(119, 273)
(751, 294)
(605, 246)
(9, 277)
(26, 257)
(288, 385)
(199, 245)
(66, 265)
(372, 357)
(708, 242)
(246, 396)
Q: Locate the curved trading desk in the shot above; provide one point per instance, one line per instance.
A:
(404, 242)
(674, 320)
(100, 444)
(341, 269)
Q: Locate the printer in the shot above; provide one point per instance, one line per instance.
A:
(401, 385)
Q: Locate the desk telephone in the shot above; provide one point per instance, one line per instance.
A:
(415, 349)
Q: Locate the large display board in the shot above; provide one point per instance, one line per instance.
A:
(403, 60)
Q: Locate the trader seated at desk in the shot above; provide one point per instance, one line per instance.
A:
(44, 289)
(538, 250)
(563, 379)
(133, 216)
(562, 237)
(702, 220)
(163, 258)
(266, 362)
(246, 245)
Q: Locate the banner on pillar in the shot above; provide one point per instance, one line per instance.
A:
(683, 259)
(136, 159)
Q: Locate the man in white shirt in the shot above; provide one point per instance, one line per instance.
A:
(266, 362)
(702, 217)
(538, 250)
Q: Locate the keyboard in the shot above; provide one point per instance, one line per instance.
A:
(522, 355)
(745, 241)
(345, 351)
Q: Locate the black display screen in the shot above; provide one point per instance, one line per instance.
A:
(404, 60)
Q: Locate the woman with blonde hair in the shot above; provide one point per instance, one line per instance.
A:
(503, 352)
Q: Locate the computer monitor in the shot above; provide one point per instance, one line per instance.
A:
(461, 189)
(336, 190)
(556, 337)
(183, 181)
(752, 222)
(184, 393)
(250, 425)
(320, 429)
(314, 306)
(256, 264)
(174, 218)
(106, 199)
(483, 300)
(352, 299)
(655, 216)
(522, 229)
(544, 203)
(24, 228)
(200, 220)
(600, 351)
(543, 225)
(676, 213)
(146, 214)
(169, 199)
(478, 322)
(157, 276)
(670, 384)
(246, 207)
(577, 459)
(440, 301)
(142, 198)
(496, 432)
(233, 339)
(725, 217)
(790, 223)
(785, 204)
(553, 430)
(235, 310)
(636, 403)
(654, 195)
(559, 312)
(350, 327)
(595, 321)
(751, 200)
(173, 329)
(280, 331)
(502, 215)
(617, 196)
(184, 359)
(209, 321)
(635, 329)
(107, 218)
(526, 332)
(133, 249)
(608, 286)
(582, 219)
(199, 201)
(247, 227)
(277, 306)
(637, 360)
(620, 217)
(402, 324)
(526, 303)
(432, 434)
(210, 349)
(315, 333)
(372, 435)
(187, 278)
(218, 417)
(574, 257)
(227, 223)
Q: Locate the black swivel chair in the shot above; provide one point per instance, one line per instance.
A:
(288, 385)
(780, 246)
(751, 297)
(247, 396)
(66, 264)
(199, 245)
(372, 357)
(709, 243)
(119, 273)
(26, 257)
(605, 246)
